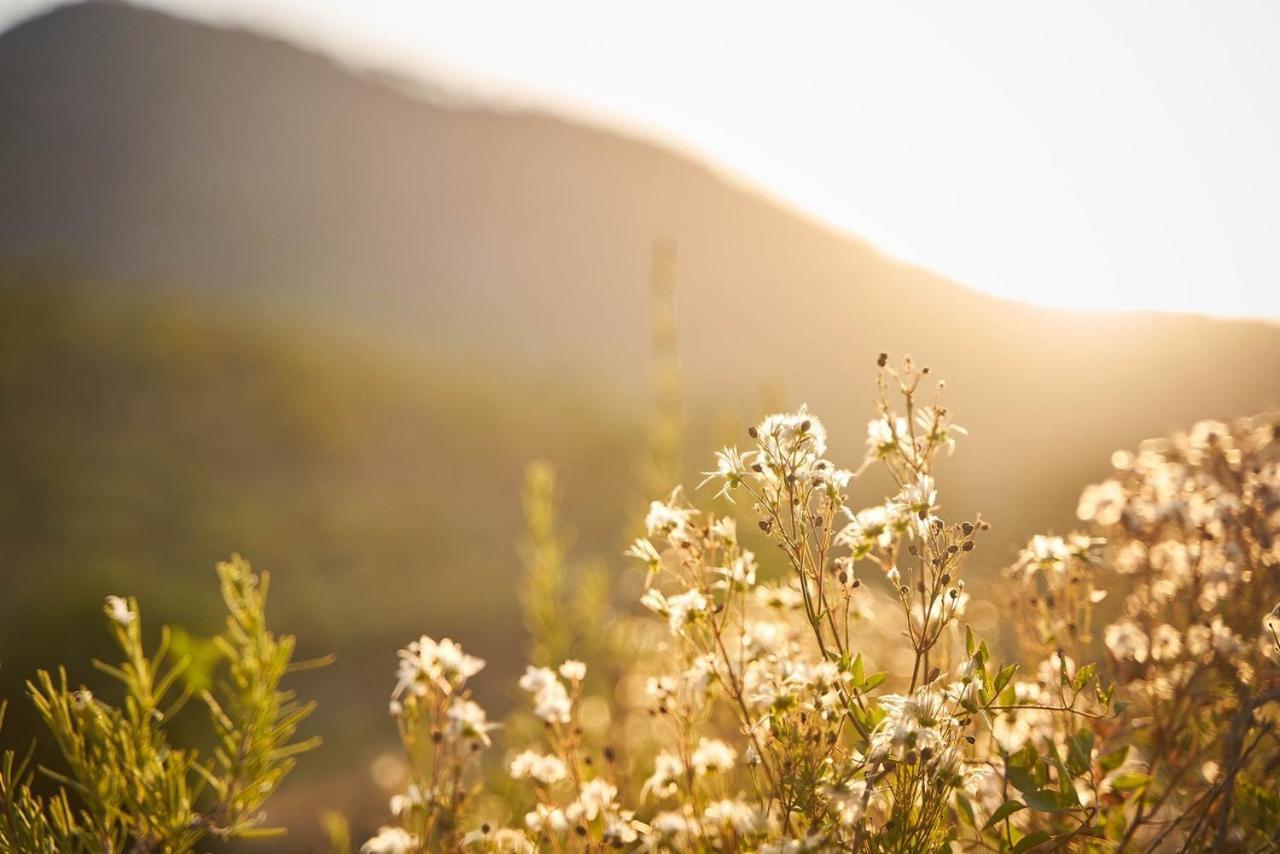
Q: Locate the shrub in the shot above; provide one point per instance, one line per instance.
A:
(125, 787)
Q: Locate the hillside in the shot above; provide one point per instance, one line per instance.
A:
(143, 439)
(144, 148)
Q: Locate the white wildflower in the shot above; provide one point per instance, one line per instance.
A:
(678, 609)
(712, 755)
(391, 840)
(739, 816)
(1127, 641)
(574, 671)
(551, 701)
(1166, 643)
(731, 467)
(544, 769)
(117, 608)
(468, 720)
(595, 797)
(544, 817)
(667, 769)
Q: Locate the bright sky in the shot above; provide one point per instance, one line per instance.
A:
(1091, 155)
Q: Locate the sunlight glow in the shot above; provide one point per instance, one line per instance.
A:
(1108, 156)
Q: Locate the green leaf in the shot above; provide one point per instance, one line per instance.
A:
(970, 645)
(1002, 812)
(1006, 674)
(1129, 782)
(1083, 677)
(1031, 840)
(1113, 760)
(1042, 800)
(965, 810)
(1022, 779)
(874, 680)
(1080, 751)
(858, 671)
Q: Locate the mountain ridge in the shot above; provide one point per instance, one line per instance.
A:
(171, 154)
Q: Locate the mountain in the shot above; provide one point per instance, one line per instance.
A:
(140, 147)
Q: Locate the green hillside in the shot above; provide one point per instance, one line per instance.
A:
(144, 438)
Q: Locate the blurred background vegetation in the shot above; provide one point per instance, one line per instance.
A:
(382, 492)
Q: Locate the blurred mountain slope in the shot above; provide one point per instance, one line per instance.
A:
(143, 438)
(139, 147)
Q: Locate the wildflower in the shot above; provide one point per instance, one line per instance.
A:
(1199, 640)
(391, 840)
(1102, 503)
(738, 816)
(468, 720)
(739, 574)
(595, 797)
(1126, 641)
(731, 467)
(551, 701)
(426, 664)
(1225, 641)
(874, 526)
(712, 755)
(412, 799)
(920, 500)
(668, 518)
(544, 817)
(574, 671)
(784, 437)
(117, 608)
(1166, 643)
(667, 769)
(619, 830)
(884, 436)
(542, 768)
(1044, 554)
(725, 530)
(678, 609)
(505, 840)
(938, 429)
(668, 824)
(781, 598)
(644, 550)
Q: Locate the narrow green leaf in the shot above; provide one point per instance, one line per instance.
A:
(1002, 812)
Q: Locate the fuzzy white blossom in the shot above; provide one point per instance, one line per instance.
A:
(543, 768)
(391, 840)
(118, 610)
(1127, 641)
(712, 755)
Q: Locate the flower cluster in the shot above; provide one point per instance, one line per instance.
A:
(443, 732)
(769, 727)
(1191, 525)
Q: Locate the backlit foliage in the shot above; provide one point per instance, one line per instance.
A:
(827, 693)
(125, 786)
(1135, 720)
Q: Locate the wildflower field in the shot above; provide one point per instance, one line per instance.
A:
(793, 673)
